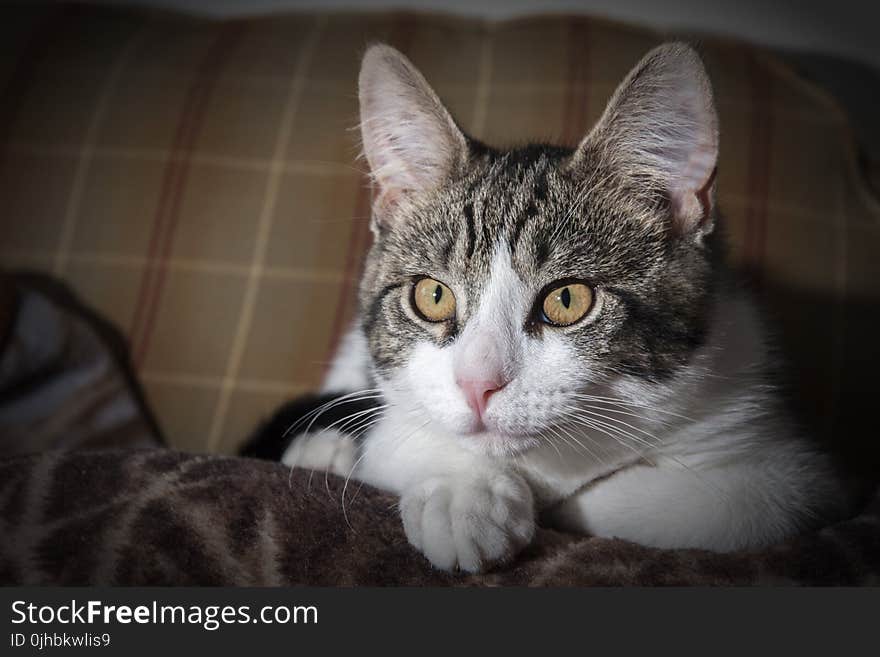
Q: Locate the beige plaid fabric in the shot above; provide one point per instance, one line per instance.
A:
(197, 183)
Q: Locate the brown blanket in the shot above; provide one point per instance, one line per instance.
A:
(145, 517)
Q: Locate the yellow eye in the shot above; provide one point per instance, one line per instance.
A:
(433, 301)
(566, 304)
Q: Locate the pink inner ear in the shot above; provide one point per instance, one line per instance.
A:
(704, 196)
(385, 201)
(691, 198)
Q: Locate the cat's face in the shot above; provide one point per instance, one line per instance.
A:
(504, 286)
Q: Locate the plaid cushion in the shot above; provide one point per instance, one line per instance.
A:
(197, 182)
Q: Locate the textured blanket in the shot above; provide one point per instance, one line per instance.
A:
(145, 517)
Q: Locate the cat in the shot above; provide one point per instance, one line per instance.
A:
(552, 330)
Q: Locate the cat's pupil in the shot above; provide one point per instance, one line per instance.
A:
(438, 292)
(565, 298)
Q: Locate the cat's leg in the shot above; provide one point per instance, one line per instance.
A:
(459, 509)
(326, 450)
(468, 521)
(330, 450)
(668, 506)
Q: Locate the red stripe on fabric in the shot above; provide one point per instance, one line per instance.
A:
(168, 182)
(360, 236)
(169, 178)
(174, 182)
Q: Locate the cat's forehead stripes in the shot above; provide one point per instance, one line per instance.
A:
(552, 225)
(470, 232)
(503, 200)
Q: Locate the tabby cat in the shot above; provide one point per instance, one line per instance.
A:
(555, 331)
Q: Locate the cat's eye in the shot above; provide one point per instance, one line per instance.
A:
(566, 304)
(432, 300)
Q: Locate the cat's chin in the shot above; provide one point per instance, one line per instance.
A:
(497, 444)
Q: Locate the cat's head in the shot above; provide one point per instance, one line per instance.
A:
(504, 285)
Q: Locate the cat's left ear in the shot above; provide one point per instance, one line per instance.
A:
(660, 132)
(410, 140)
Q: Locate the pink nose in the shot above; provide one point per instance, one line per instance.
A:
(477, 393)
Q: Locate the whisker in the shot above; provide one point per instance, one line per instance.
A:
(338, 402)
(592, 412)
(354, 418)
(622, 402)
(314, 414)
(357, 462)
(608, 407)
(596, 425)
(578, 443)
(551, 443)
(626, 436)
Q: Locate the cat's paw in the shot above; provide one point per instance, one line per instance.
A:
(469, 522)
(327, 450)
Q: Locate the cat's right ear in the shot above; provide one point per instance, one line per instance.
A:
(660, 131)
(410, 140)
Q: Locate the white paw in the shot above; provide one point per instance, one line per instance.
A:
(326, 450)
(469, 522)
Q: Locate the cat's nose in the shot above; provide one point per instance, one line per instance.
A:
(477, 393)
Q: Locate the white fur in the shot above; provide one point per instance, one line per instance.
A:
(468, 520)
(348, 370)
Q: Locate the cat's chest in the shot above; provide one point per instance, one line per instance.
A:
(555, 472)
